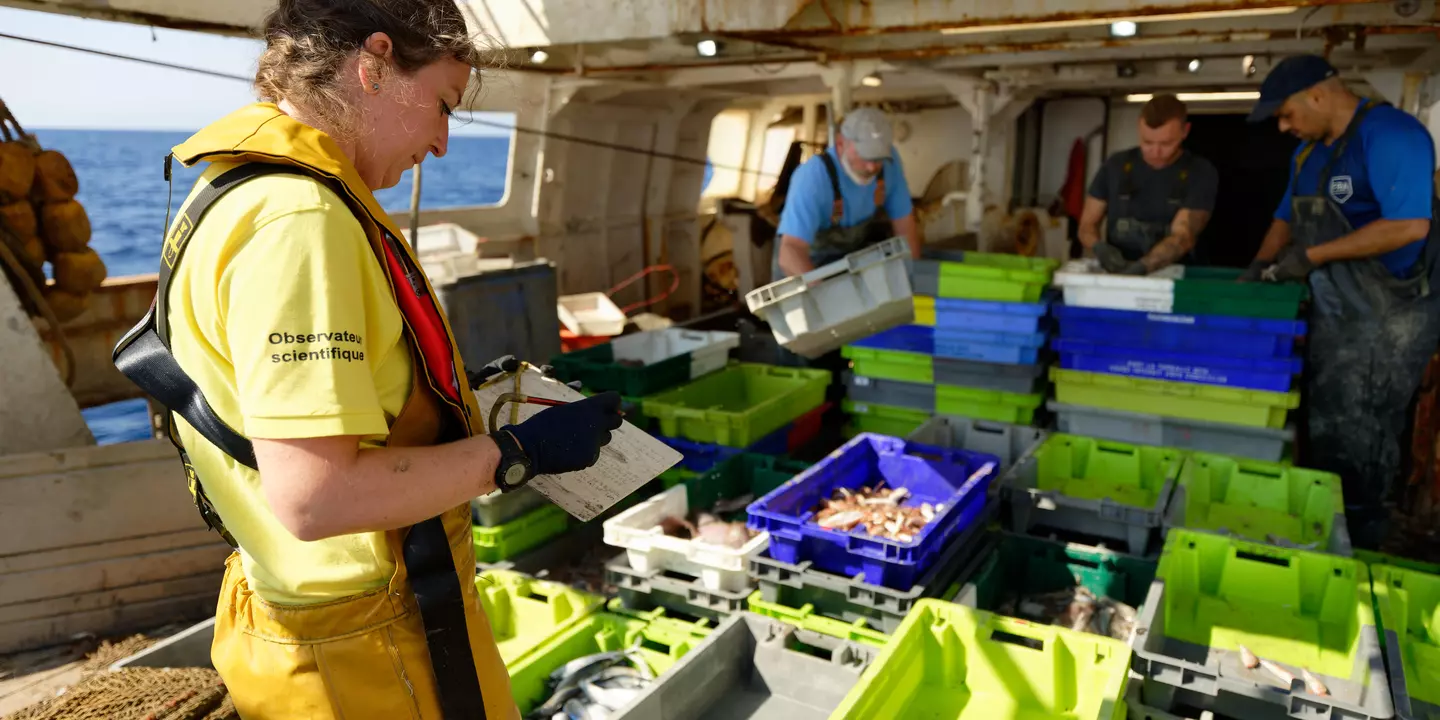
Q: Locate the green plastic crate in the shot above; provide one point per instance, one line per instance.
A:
(676, 475)
(1022, 566)
(1092, 469)
(1408, 603)
(1251, 408)
(884, 419)
(1214, 291)
(525, 611)
(890, 364)
(1372, 558)
(738, 405)
(949, 661)
(661, 642)
(987, 404)
(502, 542)
(743, 474)
(806, 618)
(596, 369)
(1261, 501)
(998, 277)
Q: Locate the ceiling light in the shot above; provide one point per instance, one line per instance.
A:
(1112, 21)
(1200, 97)
(1123, 28)
(539, 57)
(1194, 65)
(871, 80)
(707, 48)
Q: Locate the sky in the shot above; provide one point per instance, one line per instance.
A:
(49, 87)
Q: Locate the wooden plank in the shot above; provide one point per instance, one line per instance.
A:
(109, 601)
(115, 619)
(109, 549)
(57, 583)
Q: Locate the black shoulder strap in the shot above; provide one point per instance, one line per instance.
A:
(1127, 173)
(837, 210)
(1181, 187)
(1338, 149)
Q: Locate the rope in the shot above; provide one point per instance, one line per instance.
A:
(674, 285)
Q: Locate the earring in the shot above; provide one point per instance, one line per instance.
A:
(375, 86)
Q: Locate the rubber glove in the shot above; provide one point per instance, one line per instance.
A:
(1293, 264)
(567, 438)
(1110, 257)
(1254, 273)
(1134, 268)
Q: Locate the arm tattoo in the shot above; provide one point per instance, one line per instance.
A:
(1174, 247)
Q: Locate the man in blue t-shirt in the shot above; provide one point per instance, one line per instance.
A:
(847, 198)
(1356, 224)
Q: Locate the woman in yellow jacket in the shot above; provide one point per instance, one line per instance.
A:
(322, 411)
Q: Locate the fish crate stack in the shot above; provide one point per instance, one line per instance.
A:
(1186, 357)
(976, 348)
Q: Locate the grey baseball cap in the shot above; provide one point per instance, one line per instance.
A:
(870, 130)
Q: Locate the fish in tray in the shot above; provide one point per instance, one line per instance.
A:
(1075, 608)
(710, 527)
(877, 511)
(594, 687)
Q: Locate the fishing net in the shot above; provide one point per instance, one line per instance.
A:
(139, 694)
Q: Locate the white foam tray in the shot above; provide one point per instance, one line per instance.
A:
(648, 548)
(1085, 284)
(709, 350)
(590, 314)
(866, 292)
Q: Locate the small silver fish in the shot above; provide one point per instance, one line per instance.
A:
(610, 698)
(842, 520)
(1280, 673)
(577, 709)
(1313, 684)
(1248, 658)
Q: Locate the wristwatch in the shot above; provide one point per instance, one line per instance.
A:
(513, 470)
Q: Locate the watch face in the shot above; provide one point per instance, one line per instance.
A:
(515, 474)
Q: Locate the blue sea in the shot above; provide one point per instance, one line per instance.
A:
(122, 187)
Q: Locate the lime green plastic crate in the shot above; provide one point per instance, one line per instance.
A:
(1372, 558)
(1092, 469)
(890, 364)
(884, 419)
(1293, 606)
(983, 404)
(744, 474)
(661, 642)
(1408, 603)
(738, 405)
(525, 611)
(1261, 501)
(1251, 408)
(806, 618)
(1022, 566)
(1214, 291)
(502, 542)
(947, 661)
(995, 276)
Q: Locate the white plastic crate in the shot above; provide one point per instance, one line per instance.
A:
(648, 548)
(1085, 284)
(866, 292)
(590, 314)
(443, 238)
(709, 350)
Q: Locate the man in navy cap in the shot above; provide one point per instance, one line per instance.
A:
(847, 198)
(1356, 222)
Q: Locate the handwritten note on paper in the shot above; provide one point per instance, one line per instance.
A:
(632, 458)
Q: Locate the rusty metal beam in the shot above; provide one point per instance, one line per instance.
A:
(101, 12)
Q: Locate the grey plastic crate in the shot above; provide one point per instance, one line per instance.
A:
(851, 599)
(1000, 377)
(1136, 709)
(895, 393)
(1028, 507)
(1008, 442)
(1182, 673)
(755, 668)
(649, 590)
(498, 508)
(1339, 530)
(1143, 429)
(925, 277)
(1406, 707)
(508, 311)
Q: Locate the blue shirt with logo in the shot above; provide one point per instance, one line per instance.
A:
(1386, 172)
(809, 201)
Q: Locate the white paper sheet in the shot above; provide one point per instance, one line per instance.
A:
(632, 458)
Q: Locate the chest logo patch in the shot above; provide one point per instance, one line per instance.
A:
(1342, 188)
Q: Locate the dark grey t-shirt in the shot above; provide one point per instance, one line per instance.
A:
(1153, 188)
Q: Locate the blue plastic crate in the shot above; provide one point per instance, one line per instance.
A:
(995, 347)
(958, 479)
(1238, 336)
(1008, 317)
(905, 338)
(1273, 374)
(700, 457)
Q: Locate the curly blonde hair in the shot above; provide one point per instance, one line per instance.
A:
(308, 42)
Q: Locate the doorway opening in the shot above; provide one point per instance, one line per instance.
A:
(1253, 162)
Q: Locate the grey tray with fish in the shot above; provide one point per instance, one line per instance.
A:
(664, 589)
(755, 668)
(851, 598)
(1177, 673)
(1010, 443)
(1144, 429)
